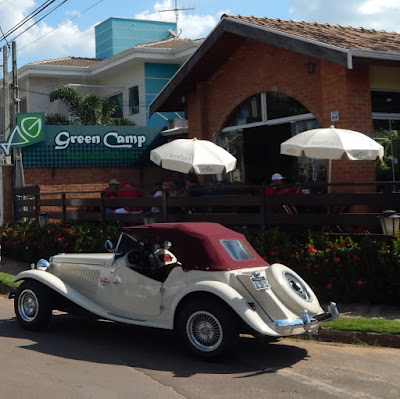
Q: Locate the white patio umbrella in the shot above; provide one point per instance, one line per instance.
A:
(332, 144)
(191, 155)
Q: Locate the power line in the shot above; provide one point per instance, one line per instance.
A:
(1, 30)
(44, 16)
(59, 26)
(35, 12)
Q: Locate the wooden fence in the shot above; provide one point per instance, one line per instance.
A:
(228, 205)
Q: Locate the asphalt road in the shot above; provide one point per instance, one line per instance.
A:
(82, 359)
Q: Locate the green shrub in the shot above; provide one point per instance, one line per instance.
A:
(345, 269)
(364, 269)
(28, 241)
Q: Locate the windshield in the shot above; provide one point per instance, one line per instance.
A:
(237, 250)
(125, 244)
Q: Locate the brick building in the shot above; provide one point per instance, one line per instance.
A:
(254, 82)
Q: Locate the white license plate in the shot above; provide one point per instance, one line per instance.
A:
(260, 282)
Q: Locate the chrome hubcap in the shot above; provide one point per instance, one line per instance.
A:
(297, 286)
(204, 331)
(28, 305)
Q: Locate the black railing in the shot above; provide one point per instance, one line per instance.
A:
(313, 205)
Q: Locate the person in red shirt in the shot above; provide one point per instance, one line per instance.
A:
(129, 191)
(111, 192)
(276, 188)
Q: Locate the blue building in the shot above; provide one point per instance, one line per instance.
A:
(115, 35)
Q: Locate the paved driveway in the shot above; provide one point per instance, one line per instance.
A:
(84, 359)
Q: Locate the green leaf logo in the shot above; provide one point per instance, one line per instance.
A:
(29, 130)
(31, 126)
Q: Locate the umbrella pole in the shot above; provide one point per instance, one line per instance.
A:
(329, 175)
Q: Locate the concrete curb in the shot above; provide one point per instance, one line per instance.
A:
(355, 338)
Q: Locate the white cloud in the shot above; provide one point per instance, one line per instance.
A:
(193, 26)
(375, 14)
(372, 7)
(43, 41)
(48, 43)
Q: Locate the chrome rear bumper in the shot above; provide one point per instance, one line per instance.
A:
(308, 322)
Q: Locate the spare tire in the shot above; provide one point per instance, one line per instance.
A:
(292, 290)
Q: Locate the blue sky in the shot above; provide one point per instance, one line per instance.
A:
(69, 29)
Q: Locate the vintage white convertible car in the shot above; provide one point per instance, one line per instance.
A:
(202, 280)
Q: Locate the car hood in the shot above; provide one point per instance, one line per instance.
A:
(87, 259)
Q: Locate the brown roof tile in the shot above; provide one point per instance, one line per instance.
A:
(69, 61)
(335, 35)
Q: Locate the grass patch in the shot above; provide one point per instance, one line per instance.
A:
(362, 324)
(7, 279)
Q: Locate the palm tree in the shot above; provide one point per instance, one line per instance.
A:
(56, 119)
(87, 110)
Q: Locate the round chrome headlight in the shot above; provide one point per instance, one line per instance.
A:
(42, 264)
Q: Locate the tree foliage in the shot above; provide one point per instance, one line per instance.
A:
(87, 110)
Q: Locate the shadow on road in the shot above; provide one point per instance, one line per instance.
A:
(145, 348)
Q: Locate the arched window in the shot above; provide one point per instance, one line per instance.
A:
(253, 133)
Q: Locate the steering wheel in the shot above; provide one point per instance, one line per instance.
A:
(135, 257)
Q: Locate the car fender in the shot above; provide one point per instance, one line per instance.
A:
(231, 297)
(57, 285)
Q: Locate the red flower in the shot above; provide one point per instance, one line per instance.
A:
(316, 266)
(360, 282)
(336, 259)
(328, 286)
(272, 253)
(311, 249)
(356, 257)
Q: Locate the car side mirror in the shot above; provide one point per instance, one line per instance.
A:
(109, 246)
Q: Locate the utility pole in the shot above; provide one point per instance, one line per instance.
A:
(15, 88)
(19, 178)
(176, 10)
(6, 99)
(5, 128)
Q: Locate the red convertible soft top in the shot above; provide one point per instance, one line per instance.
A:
(198, 245)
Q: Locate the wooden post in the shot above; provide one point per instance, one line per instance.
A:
(164, 206)
(64, 208)
(262, 206)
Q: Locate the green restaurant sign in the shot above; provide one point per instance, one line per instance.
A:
(79, 145)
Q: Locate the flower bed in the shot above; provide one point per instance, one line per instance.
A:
(346, 269)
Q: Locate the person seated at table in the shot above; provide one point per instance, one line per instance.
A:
(278, 187)
(192, 186)
(193, 189)
(129, 191)
(168, 187)
(111, 192)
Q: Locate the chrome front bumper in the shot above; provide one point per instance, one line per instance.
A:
(308, 322)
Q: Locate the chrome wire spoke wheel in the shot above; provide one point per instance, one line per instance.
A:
(28, 305)
(204, 331)
(297, 286)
